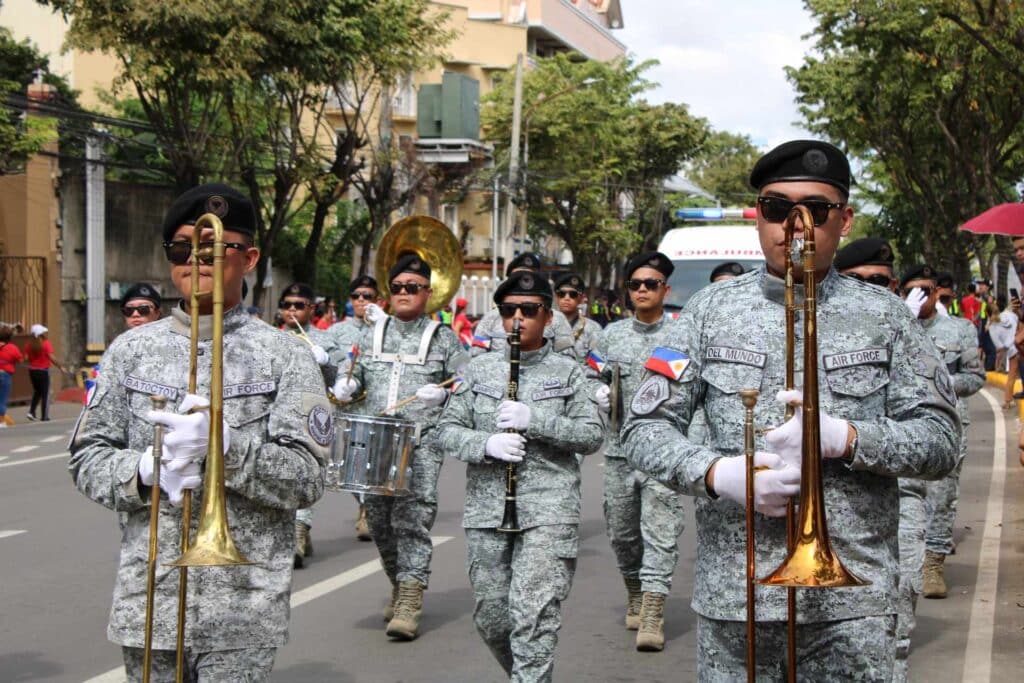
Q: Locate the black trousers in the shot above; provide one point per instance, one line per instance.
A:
(40, 391)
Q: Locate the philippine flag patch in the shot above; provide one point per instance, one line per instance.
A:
(353, 353)
(595, 362)
(668, 362)
(482, 342)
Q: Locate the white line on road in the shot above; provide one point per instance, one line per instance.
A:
(41, 458)
(317, 590)
(2, 458)
(51, 439)
(978, 655)
(25, 449)
(12, 532)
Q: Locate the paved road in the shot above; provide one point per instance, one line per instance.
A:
(58, 555)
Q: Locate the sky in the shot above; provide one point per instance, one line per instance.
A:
(724, 59)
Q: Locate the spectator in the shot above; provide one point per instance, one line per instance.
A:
(970, 306)
(460, 323)
(986, 311)
(1003, 330)
(9, 356)
(39, 351)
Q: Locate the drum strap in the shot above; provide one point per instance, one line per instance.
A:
(398, 360)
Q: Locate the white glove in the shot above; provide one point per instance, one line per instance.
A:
(431, 395)
(513, 415)
(171, 482)
(787, 439)
(507, 446)
(773, 487)
(189, 433)
(603, 398)
(941, 310)
(320, 355)
(374, 313)
(915, 300)
(344, 388)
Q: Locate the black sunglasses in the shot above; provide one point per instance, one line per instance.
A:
(410, 287)
(878, 279)
(142, 310)
(365, 296)
(297, 305)
(178, 252)
(775, 209)
(571, 293)
(529, 309)
(650, 283)
(927, 290)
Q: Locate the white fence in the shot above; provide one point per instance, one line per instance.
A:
(478, 292)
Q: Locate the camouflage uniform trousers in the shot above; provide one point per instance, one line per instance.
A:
(913, 521)
(248, 665)
(305, 515)
(941, 503)
(644, 520)
(847, 650)
(401, 524)
(519, 582)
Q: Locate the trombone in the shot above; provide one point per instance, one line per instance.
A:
(213, 546)
(810, 562)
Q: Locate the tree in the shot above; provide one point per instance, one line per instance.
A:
(722, 167)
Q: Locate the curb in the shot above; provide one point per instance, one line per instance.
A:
(998, 379)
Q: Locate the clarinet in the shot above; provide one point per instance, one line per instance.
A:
(510, 521)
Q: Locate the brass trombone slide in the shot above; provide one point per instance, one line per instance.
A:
(159, 402)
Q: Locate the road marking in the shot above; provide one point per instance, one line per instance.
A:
(12, 532)
(2, 458)
(25, 449)
(978, 654)
(41, 458)
(51, 439)
(308, 594)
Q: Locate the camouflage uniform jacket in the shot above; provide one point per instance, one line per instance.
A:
(280, 429)
(625, 344)
(342, 336)
(957, 342)
(399, 371)
(325, 341)
(584, 336)
(564, 420)
(559, 333)
(877, 369)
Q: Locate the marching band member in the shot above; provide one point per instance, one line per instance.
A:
(570, 296)
(140, 305)
(278, 428)
(520, 579)
(887, 409)
(402, 354)
(644, 518)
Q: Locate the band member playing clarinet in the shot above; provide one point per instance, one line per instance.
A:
(886, 409)
(520, 578)
(276, 434)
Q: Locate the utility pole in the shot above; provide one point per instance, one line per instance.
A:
(513, 162)
(95, 243)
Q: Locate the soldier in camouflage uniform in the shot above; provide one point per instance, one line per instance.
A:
(364, 295)
(405, 354)
(570, 293)
(887, 409)
(955, 340)
(277, 430)
(726, 271)
(296, 307)
(643, 517)
(489, 333)
(520, 579)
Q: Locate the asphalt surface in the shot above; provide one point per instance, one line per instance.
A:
(58, 554)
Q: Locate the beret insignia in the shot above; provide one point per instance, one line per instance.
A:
(526, 281)
(217, 205)
(815, 161)
(884, 252)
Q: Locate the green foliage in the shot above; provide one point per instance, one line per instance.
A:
(722, 167)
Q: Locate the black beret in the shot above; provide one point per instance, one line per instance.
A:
(811, 160)
(141, 290)
(920, 271)
(410, 263)
(944, 280)
(231, 206)
(524, 282)
(867, 251)
(650, 259)
(574, 280)
(727, 268)
(300, 289)
(363, 281)
(528, 260)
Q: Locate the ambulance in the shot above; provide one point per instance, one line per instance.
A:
(696, 251)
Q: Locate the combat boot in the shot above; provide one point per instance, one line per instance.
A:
(389, 610)
(934, 581)
(651, 636)
(634, 597)
(362, 526)
(301, 543)
(405, 625)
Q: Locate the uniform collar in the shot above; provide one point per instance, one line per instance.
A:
(774, 288)
(929, 322)
(645, 328)
(528, 358)
(181, 321)
(406, 327)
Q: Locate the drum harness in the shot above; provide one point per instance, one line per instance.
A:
(399, 360)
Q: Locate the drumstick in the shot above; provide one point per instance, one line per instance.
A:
(352, 363)
(406, 401)
(302, 332)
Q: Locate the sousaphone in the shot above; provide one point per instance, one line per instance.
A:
(432, 241)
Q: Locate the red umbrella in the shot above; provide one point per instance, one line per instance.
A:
(1005, 219)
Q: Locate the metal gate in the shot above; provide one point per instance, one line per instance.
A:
(23, 290)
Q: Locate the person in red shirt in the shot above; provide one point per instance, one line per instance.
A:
(970, 305)
(39, 351)
(461, 324)
(9, 356)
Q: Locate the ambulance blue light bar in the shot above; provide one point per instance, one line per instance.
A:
(715, 214)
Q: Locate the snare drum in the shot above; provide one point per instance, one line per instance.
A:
(371, 455)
